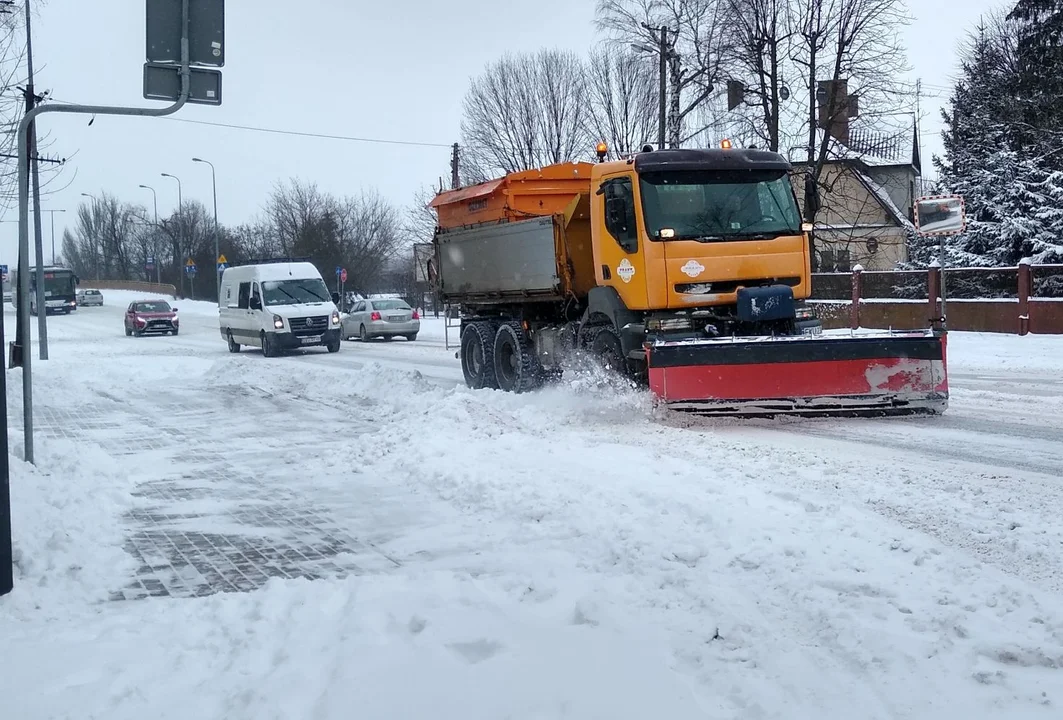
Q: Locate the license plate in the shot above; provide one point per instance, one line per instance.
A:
(312, 339)
(396, 318)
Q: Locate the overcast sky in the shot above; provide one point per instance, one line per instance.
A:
(381, 70)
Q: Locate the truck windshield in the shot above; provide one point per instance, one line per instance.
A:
(294, 292)
(719, 205)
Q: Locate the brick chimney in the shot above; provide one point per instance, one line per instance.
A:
(842, 105)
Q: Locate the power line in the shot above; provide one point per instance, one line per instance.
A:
(294, 133)
(322, 136)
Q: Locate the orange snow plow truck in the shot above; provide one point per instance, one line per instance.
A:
(685, 269)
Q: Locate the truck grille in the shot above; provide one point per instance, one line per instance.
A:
(304, 326)
(724, 287)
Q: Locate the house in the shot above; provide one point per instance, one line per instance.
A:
(870, 180)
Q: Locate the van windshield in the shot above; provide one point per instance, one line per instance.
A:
(294, 292)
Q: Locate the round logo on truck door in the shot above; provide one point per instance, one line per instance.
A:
(693, 268)
(625, 270)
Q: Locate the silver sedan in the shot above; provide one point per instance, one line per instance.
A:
(383, 317)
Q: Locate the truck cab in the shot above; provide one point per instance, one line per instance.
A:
(677, 233)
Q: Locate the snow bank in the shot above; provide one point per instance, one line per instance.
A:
(1008, 354)
(425, 645)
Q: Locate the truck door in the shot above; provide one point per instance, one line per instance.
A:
(620, 261)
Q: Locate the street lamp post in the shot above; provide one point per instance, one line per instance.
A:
(155, 233)
(96, 238)
(217, 250)
(180, 217)
(53, 212)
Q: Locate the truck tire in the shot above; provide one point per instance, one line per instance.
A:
(607, 349)
(478, 355)
(517, 369)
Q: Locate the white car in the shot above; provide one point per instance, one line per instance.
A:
(89, 297)
(383, 317)
(277, 305)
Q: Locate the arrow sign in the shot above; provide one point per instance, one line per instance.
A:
(339, 271)
(343, 275)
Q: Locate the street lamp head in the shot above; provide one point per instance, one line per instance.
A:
(196, 160)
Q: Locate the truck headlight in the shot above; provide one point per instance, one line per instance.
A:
(278, 322)
(805, 313)
(665, 324)
(335, 317)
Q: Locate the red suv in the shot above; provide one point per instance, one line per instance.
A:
(145, 317)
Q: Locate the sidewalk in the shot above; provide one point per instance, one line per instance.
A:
(220, 510)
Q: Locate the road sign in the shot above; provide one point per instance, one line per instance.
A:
(339, 270)
(206, 32)
(163, 82)
(343, 275)
(190, 267)
(3, 271)
(149, 263)
(222, 260)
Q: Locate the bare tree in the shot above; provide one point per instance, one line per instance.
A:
(698, 47)
(524, 112)
(855, 41)
(623, 99)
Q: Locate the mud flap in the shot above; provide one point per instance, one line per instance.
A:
(870, 374)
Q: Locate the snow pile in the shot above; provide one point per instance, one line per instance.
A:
(66, 525)
(427, 645)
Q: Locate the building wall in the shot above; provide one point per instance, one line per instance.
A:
(899, 184)
(850, 217)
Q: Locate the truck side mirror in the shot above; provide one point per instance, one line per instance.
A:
(336, 299)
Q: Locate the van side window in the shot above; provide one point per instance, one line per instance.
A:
(245, 295)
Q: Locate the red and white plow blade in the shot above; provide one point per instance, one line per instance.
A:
(868, 374)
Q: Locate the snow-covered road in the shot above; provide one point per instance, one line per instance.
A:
(558, 554)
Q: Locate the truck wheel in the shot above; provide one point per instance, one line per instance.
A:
(477, 356)
(516, 367)
(608, 351)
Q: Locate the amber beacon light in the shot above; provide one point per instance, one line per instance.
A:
(602, 149)
(725, 144)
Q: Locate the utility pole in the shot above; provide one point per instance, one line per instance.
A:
(22, 339)
(455, 183)
(7, 556)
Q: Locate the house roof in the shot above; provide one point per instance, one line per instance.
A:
(877, 142)
(884, 199)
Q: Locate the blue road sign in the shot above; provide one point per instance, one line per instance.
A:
(3, 271)
(338, 270)
(221, 267)
(190, 269)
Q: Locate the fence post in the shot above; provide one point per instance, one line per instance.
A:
(1025, 287)
(854, 309)
(933, 286)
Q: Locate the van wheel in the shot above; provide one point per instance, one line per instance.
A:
(267, 345)
(233, 347)
(334, 346)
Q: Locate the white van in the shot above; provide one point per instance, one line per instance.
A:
(277, 305)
